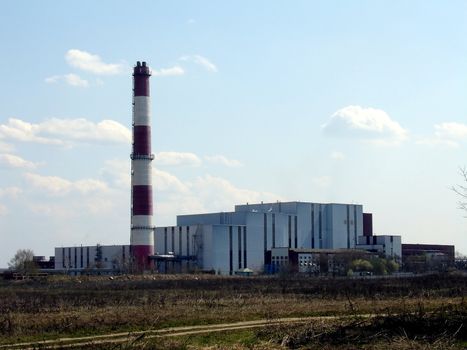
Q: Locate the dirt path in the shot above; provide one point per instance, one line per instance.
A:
(134, 337)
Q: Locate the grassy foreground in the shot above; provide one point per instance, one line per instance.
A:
(64, 306)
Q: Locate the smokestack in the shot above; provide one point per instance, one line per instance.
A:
(142, 229)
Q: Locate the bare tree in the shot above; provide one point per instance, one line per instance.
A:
(461, 190)
(23, 261)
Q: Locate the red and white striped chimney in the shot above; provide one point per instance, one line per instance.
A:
(142, 229)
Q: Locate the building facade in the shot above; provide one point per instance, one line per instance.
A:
(227, 242)
(388, 245)
(230, 242)
(103, 258)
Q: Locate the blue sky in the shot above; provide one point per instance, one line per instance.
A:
(323, 101)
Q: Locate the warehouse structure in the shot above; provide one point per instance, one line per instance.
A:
(229, 242)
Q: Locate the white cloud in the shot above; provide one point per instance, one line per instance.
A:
(453, 131)
(321, 181)
(75, 80)
(436, 142)
(220, 159)
(85, 130)
(172, 71)
(12, 192)
(51, 184)
(65, 208)
(19, 130)
(14, 161)
(70, 79)
(91, 63)
(5, 147)
(446, 135)
(216, 193)
(63, 131)
(117, 172)
(202, 61)
(164, 181)
(64, 199)
(173, 196)
(337, 155)
(365, 123)
(205, 194)
(53, 79)
(55, 185)
(177, 158)
(90, 185)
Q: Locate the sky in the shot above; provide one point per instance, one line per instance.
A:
(322, 101)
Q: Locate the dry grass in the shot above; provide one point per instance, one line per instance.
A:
(441, 328)
(66, 306)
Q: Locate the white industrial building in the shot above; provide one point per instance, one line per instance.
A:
(389, 245)
(228, 242)
(105, 258)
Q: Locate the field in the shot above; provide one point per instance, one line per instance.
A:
(418, 312)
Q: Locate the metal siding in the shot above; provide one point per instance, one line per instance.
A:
(207, 252)
(313, 239)
(239, 242)
(220, 249)
(273, 245)
(172, 238)
(338, 226)
(295, 231)
(265, 232)
(188, 240)
(245, 248)
(303, 225)
(254, 228)
(367, 224)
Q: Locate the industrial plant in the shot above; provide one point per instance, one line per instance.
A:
(254, 238)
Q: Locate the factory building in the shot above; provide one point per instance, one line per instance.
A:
(388, 245)
(104, 258)
(313, 261)
(250, 237)
(228, 242)
(425, 256)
